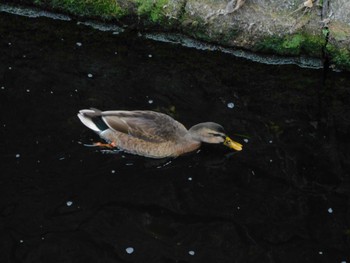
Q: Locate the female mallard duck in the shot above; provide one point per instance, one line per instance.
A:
(152, 134)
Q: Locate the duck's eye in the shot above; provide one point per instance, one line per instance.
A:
(217, 135)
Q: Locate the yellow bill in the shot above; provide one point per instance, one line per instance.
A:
(232, 144)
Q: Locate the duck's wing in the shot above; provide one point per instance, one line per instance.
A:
(147, 125)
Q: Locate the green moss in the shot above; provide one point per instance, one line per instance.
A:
(293, 45)
(95, 8)
(339, 56)
(153, 9)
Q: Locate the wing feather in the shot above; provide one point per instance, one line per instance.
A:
(147, 125)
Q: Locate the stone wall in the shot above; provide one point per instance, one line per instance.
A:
(319, 28)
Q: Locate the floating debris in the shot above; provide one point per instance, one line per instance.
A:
(18, 155)
(113, 171)
(79, 44)
(149, 55)
(150, 101)
(182, 40)
(270, 160)
(9, 44)
(238, 208)
(90, 75)
(102, 26)
(129, 250)
(62, 158)
(28, 90)
(69, 203)
(116, 53)
(10, 68)
(230, 105)
(21, 241)
(191, 252)
(330, 210)
(2, 87)
(129, 164)
(270, 141)
(246, 140)
(253, 173)
(31, 12)
(189, 179)
(320, 252)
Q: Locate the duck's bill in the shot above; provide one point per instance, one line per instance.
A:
(232, 144)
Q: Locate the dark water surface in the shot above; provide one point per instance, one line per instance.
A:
(284, 198)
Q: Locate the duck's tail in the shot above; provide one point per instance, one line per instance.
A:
(92, 119)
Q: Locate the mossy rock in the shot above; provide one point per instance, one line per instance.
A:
(106, 9)
(294, 45)
(340, 57)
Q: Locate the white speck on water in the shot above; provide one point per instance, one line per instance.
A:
(343, 261)
(62, 158)
(191, 252)
(51, 92)
(230, 105)
(79, 44)
(76, 90)
(69, 203)
(37, 142)
(270, 160)
(21, 241)
(330, 210)
(116, 53)
(270, 141)
(150, 101)
(2, 87)
(253, 173)
(10, 68)
(246, 140)
(129, 250)
(18, 155)
(24, 56)
(38, 161)
(150, 55)
(42, 238)
(238, 207)
(189, 179)
(28, 90)
(129, 164)
(113, 171)
(10, 44)
(320, 252)
(90, 75)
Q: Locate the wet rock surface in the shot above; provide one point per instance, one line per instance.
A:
(294, 27)
(284, 198)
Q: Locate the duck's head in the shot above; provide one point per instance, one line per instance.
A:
(211, 132)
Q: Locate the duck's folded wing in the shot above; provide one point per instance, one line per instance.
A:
(147, 125)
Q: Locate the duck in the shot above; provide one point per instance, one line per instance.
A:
(152, 134)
